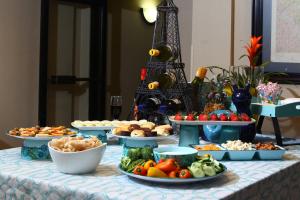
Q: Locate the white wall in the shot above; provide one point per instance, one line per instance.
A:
(19, 61)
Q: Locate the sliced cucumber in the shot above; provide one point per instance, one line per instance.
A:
(209, 170)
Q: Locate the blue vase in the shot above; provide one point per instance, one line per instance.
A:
(241, 98)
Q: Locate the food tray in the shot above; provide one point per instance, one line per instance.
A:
(143, 138)
(271, 154)
(93, 128)
(236, 155)
(39, 138)
(224, 123)
(172, 180)
(216, 154)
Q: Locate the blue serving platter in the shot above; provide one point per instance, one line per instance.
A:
(36, 148)
(172, 180)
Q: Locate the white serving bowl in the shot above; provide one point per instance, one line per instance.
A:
(80, 162)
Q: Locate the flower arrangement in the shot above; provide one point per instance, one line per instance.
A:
(251, 74)
(269, 93)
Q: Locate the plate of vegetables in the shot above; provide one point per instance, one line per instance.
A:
(169, 171)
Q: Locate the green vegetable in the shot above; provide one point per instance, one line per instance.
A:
(125, 161)
(209, 170)
(134, 153)
(147, 153)
(196, 169)
(135, 163)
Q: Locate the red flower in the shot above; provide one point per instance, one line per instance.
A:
(252, 49)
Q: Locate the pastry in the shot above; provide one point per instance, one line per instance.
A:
(117, 131)
(137, 133)
(125, 133)
(150, 133)
(134, 127)
(149, 125)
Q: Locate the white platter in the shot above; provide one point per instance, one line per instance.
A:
(39, 138)
(93, 128)
(143, 138)
(172, 180)
(224, 123)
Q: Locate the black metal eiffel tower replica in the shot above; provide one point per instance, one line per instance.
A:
(166, 31)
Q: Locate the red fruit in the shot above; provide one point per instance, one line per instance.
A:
(203, 117)
(190, 117)
(214, 117)
(223, 117)
(178, 117)
(245, 117)
(233, 117)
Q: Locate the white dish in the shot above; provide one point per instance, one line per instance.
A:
(39, 138)
(93, 128)
(143, 138)
(80, 162)
(172, 180)
(225, 123)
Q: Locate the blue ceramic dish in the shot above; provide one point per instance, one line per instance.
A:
(271, 154)
(216, 154)
(185, 156)
(241, 154)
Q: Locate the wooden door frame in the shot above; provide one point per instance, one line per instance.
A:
(97, 59)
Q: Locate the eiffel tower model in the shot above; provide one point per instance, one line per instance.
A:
(166, 35)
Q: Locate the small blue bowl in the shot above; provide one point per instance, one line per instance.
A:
(185, 156)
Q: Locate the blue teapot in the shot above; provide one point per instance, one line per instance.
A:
(219, 133)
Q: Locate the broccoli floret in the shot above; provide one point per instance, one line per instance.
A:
(134, 153)
(125, 162)
(147, 153)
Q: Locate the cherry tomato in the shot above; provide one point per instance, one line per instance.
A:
(185, 173)
(174, 174)
(178, 117)
(190, 117)
(140, 170)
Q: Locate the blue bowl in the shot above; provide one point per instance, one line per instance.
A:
(185, 156)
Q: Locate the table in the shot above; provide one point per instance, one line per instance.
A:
(274, 111)
(22, 179)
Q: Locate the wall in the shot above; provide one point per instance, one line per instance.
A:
(19, 61)
(129, 40)
(210, 43)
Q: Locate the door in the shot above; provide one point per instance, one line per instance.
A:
(72, 61)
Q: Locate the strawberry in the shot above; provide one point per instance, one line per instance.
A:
(190, 117)
(233, 117)
(223, 117)
(203, 117)
(178, 117)
(245, 117)
(214, 117)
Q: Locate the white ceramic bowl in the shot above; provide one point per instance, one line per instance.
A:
(77, 162)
